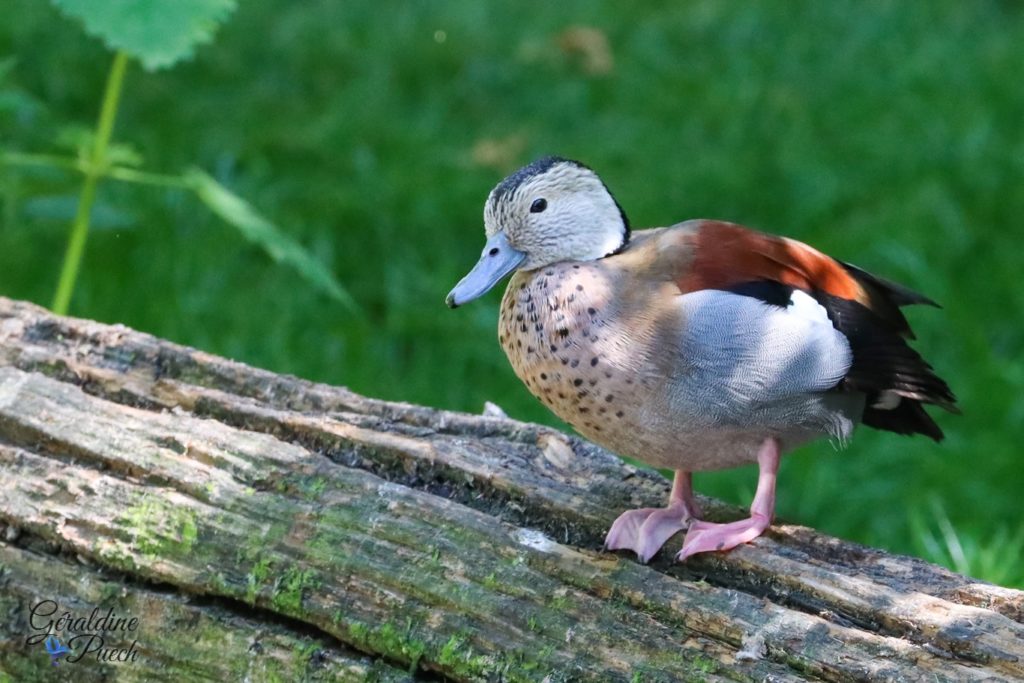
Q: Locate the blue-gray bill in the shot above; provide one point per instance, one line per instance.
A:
(498, 259)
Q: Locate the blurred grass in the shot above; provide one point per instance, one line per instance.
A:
(888, 134)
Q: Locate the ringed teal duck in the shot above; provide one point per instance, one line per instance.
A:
(700, 346)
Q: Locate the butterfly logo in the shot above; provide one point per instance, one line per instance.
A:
(55, 648)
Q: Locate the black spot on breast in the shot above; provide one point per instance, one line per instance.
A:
(554, 348)
(575, 362)
(519, 318)
(544, 376)
(563, 331)
(579, 288)
(609, 398)
(592, 311)
(577, 382)
(593, 361)
(619, 413)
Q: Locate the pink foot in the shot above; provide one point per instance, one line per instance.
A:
(644, 531)
(705, 537)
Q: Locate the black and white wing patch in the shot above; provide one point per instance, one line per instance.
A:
(893, 376)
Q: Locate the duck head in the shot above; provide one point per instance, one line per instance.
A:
(552, 210)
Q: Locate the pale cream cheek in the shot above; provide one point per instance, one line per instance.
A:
(539, 256)
(577, 234)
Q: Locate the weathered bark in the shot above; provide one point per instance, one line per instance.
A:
(261, 526)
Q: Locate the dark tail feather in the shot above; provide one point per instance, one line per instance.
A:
(884, 365)
(896, 293)
(909, 417)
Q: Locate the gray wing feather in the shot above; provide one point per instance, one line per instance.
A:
(748, 360)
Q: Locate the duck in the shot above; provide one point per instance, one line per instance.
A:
(701, 346)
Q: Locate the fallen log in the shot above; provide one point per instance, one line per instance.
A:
(262, 527)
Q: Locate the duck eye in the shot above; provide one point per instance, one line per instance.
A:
(493, 251)
(538, 205)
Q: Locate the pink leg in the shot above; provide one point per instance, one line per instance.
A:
(644, 531)
(705, 536)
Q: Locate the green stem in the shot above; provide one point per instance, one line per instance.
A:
(128, 175)
(41, 160)
(96, 164)
(131, 175)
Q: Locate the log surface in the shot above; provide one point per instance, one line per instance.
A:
(262, 527)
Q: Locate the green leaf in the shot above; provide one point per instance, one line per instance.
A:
(81, 140)
(258, 230)
(158, 33)
(75, 138)
(122, 154)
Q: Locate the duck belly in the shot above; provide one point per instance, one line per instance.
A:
(696, 439)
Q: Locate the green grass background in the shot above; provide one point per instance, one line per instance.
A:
(890, 134)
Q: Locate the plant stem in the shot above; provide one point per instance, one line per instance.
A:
(122, 173)
(131, 175)
(41, 160)
(95, 168)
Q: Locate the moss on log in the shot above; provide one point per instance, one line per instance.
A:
(263, 527)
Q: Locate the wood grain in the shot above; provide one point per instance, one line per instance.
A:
(355, 539)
